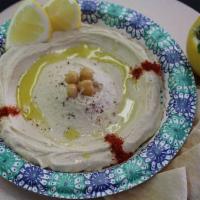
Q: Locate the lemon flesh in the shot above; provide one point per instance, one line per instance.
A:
(64, 14)
(193, 46)
(29, 25)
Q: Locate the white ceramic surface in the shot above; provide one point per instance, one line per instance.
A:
(174, 16)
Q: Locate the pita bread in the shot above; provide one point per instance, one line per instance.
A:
(170, 185)
(194, 137)
(191, 160)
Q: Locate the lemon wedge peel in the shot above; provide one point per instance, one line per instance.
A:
(64, 14)
(193, 46)
(30, 24)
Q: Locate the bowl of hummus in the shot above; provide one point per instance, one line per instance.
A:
(94, 111)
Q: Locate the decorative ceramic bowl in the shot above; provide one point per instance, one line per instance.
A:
(149, 159)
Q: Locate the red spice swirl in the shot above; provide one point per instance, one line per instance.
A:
(146, 66)
(8, 111)
(116, 145)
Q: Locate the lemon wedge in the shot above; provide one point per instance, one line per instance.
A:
(29, 25)
(64, 14)
(193, 46)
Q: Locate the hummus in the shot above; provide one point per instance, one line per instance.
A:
(67, 134)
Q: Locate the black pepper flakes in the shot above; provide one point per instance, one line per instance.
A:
(71, 115)
(94, 108)
(61, 84)
(114, 114)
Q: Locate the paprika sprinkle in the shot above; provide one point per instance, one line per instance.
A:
(137, 72)
(146, 66)
(155, 67)
(116, 148)
(8, 110)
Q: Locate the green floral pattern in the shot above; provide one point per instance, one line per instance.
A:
(181, 79)
(66, 185)
(10, 163)
(3, 31)
(135, 169)
(156, 38)
(176, 130)
(112, 14)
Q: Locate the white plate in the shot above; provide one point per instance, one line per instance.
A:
(175, 17)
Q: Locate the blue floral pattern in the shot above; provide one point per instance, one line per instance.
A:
(171, 57)
(100, 184)
(136, 24)
(33, 178)
(157, 154)
(3, 30)
(149, 159)
(89, 11)
(2, 45)
(183, 105)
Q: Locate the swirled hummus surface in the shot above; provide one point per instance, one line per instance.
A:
(68, 134)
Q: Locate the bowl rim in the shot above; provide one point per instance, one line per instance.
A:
(152, 157)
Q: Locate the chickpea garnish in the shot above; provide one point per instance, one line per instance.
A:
(84, 84)
(72, 77)
(72, 90)
(86, 74)
(86, 88)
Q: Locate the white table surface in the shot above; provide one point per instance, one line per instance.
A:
(174, 16)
